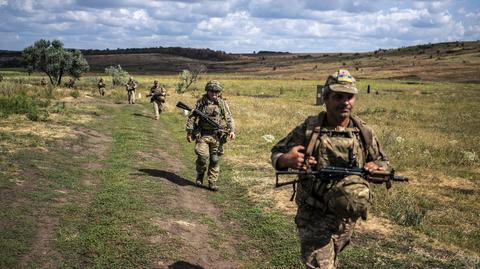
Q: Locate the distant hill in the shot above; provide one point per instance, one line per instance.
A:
(448, 61)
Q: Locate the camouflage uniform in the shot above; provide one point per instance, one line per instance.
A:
(324, 226)
(101, 87)
(209, 141)
(130, 87)
(70, 84)
(157, 94)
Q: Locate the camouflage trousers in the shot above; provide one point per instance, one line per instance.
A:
(206, 148)
(158, 107)
(101, 91)
(322, 236)
(131, 97)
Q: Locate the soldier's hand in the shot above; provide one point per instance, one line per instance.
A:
(295, 158)
(189, 138)
(231, 135)
(372, 166)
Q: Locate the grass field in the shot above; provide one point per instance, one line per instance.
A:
(428, 129)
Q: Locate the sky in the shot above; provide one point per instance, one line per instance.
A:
(239, 26)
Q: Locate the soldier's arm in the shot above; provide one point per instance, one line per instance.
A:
(376, 157)
(229, 118)
(192, 119)
(295, 138)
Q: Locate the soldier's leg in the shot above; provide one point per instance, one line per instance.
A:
(213, 166)
(342, 237)
(133, 97)
(316, 232)
(129, 96)
(155, 108)
(161, 107)
(202, 151)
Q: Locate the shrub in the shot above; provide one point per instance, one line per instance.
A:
(119, 76)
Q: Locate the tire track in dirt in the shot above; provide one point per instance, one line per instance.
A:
(198, 247)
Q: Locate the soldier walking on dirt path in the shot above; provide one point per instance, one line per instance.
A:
(157, 98)
(327, 211)
(209, 141)
(101, 87)
(130, 87)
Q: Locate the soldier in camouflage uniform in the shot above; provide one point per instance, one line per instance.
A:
(70, 84)
(209, 141)
(130, 87)
(101, 87)
(327, 212)
(157, 97)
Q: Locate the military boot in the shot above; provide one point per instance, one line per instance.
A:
(212, 186)
(199, 180)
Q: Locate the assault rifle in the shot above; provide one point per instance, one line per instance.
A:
(332, 173)
(205, 117)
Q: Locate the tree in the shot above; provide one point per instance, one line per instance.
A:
(119, 76)
(189, 76)
(51, 58)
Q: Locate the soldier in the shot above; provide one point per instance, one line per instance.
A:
(208, 139)
(157, 94)
(327, 212)
(101, 87)
(43, 82)
(70, 84)
(130, 87)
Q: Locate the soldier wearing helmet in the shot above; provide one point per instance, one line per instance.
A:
(327, 211)
(209, 141)
(101, 87)
(130, 88)
(157, 98)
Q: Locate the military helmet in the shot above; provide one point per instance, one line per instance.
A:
(214, 86)
(349, 198)
(342, 81)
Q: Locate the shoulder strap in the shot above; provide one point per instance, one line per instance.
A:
(314, 124)
(365, 132)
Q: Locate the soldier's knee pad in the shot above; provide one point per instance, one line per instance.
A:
(202, 160)
(214, 159)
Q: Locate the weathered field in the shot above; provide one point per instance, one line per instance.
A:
(428, 126)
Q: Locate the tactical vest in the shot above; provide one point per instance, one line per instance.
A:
(341, 147)
(214, 111)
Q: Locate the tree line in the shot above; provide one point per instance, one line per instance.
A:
(200, 54)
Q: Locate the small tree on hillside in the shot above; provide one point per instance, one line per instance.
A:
(189, 76)
(55, 61)
(119, 76)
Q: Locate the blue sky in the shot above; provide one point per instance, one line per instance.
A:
(238, 25)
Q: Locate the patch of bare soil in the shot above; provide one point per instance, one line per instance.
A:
(200, 245)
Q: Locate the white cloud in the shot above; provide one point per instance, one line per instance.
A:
(240, 25)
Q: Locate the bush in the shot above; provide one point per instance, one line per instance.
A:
(21, 104)
(119, 76)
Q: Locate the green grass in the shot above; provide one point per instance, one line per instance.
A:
(428, 129)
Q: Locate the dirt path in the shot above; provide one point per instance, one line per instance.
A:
(194, 234)
(204, 243)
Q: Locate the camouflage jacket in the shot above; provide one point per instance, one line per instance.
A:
(157, 91)
(131, 85)
(101, 84)
(331, 148)
(217, 110)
